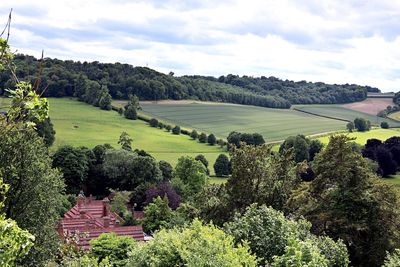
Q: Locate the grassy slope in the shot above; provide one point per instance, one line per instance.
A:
(273, 124)
(395, 116)
(338, 111)
(362, 137)
(80, 124)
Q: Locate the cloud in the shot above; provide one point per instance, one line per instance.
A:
(351, 41)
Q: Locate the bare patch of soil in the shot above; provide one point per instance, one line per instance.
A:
(370, 105)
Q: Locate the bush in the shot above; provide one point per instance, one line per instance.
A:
(153, 122)
(176, 130)
(350, 126)
(222, 166)
(384, 125)
(362, 125)
(194, 135)
(211, 139)
(202, 138)
(168, 128)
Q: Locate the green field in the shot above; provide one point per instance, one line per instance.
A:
(338, 111)
(395, 116)
(80, 124)
(362, 137)
(221, 119)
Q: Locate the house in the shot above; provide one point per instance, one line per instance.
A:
(90, 218)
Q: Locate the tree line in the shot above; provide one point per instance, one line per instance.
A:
(96, 83)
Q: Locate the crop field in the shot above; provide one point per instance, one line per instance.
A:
(221, 119)
(340, 112)
(80, 124)
(395, 116)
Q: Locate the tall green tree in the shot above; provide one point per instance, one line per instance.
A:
(190, 176)
(258, 176)
(35, 195)
(45, 129)
(157, 214)
(132, 107)
(222, 166)
(346, 200)
(125, 141)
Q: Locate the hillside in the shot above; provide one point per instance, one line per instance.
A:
(221, 119)
(68, 78)
(79, 124)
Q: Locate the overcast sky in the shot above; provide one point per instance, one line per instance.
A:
(314, 40)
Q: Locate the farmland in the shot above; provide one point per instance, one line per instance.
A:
(362, 137)
(79, 124)
(221, 119)
(340, 112)
(372, 105)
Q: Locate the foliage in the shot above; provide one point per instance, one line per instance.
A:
(361, 210)
(74, 165)
(194, 135)
(130, 109)
(392, 259)
(202, 138)
(384, 125)
(81, 261)
(15, 243)
(362, 125)
(302, 147)
(176, 130)
(258, 176)
(203, 160)
(45, 129)
(266, 230)
(112, 247)
(196, 245)
(163, 189)
(300, 253)
(157, 214)
(211, 139)
(222, 166)
(125, 141)
(166, 170)
(128, 170)
(235, 138)
(35, 195)
(191, 175)
(350, 126)
(153, 122)
(119, 205)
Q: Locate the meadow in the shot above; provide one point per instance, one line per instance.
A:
(80, 124)
(221, 119)
(340, 112)
(362, 137)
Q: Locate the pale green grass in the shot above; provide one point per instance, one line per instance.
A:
(395, 116)
(393, 179)
(217, 180)
(221, 119)
(362, 137)
(80, 124)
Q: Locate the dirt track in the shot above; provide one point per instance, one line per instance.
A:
(370, 105)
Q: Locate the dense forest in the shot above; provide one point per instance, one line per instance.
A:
(65, 78)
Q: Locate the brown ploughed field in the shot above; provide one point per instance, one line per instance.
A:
(370, 105)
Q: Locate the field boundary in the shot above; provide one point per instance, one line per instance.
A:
(319, 115)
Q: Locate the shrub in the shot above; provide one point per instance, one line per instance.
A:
(153, 122)
(176, 130)
(202, 138)
(194, 134)
(222, 166)
(211, 139)
(168, 128)
(384, 125)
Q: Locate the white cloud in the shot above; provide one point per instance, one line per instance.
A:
(332, 41)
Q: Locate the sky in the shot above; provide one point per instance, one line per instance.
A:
(329, 41)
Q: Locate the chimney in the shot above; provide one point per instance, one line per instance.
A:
(80, 200)
(106, 221)
(106, 207)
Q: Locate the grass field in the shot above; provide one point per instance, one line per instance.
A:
(338, 111)
(395, 116)
(221, 119)
(362, 137)
(80, 124)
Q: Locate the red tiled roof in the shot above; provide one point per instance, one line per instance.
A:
(93, 217)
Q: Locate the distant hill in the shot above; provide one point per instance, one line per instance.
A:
(66, 78)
